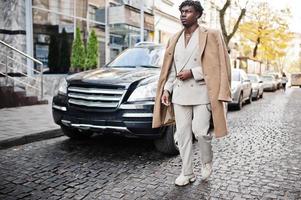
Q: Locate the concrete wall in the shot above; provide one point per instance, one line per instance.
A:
(12, 30)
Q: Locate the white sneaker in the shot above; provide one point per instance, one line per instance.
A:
(184, 180)
(206, 170)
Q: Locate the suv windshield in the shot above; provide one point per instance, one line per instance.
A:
(253, 79)
(140, 57)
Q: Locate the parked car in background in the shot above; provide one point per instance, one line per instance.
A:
(115, 99)
(269, 83)
(257, 86)
(241, 89)
(277, 77)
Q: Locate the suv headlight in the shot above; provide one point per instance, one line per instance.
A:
(144, 92)
(63, 87)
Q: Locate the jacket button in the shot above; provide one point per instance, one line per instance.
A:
(194, 59)
(191, 85)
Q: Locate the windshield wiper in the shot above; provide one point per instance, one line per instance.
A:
(147, 66)
(123, 66)
(134, 66)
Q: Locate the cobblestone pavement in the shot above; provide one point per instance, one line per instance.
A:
(260, 159)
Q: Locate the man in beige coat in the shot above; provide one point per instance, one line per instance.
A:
(194, 83)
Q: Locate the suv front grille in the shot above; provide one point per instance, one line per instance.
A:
(95, 97)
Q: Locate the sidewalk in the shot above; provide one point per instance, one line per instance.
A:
(26, 124)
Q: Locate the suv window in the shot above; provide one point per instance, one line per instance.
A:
(235, 75)
(244, 75)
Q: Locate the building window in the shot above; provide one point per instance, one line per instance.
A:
(92, 11)
(168, 2)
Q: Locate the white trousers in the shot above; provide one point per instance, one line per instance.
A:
(193, 119)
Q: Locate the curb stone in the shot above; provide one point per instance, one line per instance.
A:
(34, 137)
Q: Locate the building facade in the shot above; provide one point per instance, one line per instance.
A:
(13, 32)
(54, 24)
(167, 21)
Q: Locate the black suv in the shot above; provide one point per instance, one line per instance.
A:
(115, 99)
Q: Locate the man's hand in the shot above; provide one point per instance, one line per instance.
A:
(184, 75)
(165, 99)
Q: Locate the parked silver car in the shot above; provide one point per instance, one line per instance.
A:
(257, 86)
(241, 88)
(277, 77)
(269, 83)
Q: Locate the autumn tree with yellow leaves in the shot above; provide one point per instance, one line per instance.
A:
(265, 34)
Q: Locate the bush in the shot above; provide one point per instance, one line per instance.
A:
(92, 51)
(78, 52)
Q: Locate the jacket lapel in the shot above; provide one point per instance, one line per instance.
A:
(187, 52)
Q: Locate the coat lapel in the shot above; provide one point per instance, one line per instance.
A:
(172, 44)
(203, 39)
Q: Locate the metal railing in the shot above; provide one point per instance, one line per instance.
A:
(4, 53)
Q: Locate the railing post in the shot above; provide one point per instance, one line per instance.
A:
(6, 68)
(41, 74)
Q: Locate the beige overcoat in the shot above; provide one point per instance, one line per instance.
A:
(217, 74)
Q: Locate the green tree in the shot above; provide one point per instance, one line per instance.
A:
(92, 51)
(53, 54)
(65, 53)
(78, 52)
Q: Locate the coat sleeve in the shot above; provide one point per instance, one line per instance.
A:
(225, 70)
(170, 80)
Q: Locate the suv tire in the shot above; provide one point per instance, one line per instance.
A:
(166, 144)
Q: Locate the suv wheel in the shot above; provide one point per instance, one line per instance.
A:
(76, 134)
(166, 144)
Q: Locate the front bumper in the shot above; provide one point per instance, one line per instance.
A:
(130, 120)
(235, 97)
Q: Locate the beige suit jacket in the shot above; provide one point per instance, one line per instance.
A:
(194, 90)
